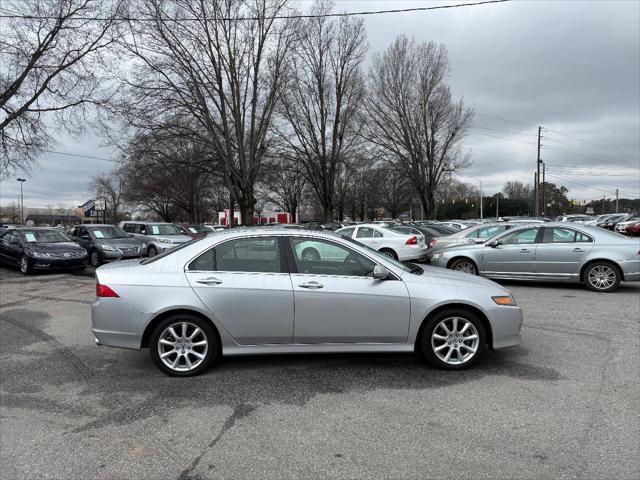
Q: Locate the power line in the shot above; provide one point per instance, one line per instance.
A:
(506, 120)
(503, 138)
(502, 131)
(590, 185)
(585, 141)
(579, 148)
(77, 155)
(274, 17)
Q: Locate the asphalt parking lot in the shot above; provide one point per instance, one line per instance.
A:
(564, 404)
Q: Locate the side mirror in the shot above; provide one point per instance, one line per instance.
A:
(478, 240)
(495, 244)
(380, 272)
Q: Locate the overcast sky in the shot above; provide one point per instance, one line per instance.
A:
(571, 67)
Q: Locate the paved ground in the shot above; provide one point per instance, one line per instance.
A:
(563, 405)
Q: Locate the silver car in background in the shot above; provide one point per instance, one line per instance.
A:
(599, 258)
(158, 236)
(255, 291)
(476, 234)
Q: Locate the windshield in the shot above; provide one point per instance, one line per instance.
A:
(108, 232)
(198, 229)
(163, 229)
(172, 250)
(44, 236)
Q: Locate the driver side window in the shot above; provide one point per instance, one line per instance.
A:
(321, 257)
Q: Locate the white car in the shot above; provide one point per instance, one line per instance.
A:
(621, 227)
(394, 244)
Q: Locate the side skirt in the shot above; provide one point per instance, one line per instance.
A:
(231, 348)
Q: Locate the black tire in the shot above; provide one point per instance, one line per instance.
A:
(210, 356)
(151, 251)
(602, 277)
(95, 258)
(427, 347)
(389, 253)
(465, 265)
(310, 254)
(25, 265)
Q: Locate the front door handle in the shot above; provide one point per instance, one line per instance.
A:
(578, 250)
(311, 285)
(210, 281)
(524, 250)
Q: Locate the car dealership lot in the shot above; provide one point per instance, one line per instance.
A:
(563, 404)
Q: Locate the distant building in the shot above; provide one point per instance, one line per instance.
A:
(266, 216)
(41, 219)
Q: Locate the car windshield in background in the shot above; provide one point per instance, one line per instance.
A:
(163, 229)
(172, 250)
(108, 232)
(198, 229)
(407, 268)
(44, 236)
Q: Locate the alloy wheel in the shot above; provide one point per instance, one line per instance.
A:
(95, 259)
(24, 264)
(455, 340)
(602, 277)
(182, 346)
(465, 267)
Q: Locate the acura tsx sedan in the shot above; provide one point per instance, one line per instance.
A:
(599, 258)
(258, 291)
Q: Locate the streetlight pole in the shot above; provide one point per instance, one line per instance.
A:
(21, 180)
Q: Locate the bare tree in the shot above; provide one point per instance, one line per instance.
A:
(286, 185)
(395, 190)
(49, 54)
(322, 95)
(517, 190)
(412, 118)
(218, 64)
(109, 187)
(11, 213)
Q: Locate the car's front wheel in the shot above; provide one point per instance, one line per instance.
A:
(95, 258)
(151, 251)
(464, 265)
(25, 266)
(453, 339)
(184, 345)
(602, 277)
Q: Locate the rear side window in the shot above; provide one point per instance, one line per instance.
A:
(365, 232)
(261, 254)
(564, 235)
(347, 232)
(487, 232)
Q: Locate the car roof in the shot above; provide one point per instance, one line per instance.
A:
(146, 222)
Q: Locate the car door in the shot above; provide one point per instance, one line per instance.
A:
(561, 252)
(512, 254)
(244, 283)
(338, 301)
(83, 238)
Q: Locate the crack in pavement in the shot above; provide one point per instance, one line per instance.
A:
(240, 411)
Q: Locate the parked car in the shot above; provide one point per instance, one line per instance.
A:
(573, 218)
(158, 236)
(476, 234)
(394, 244)
(214, 228)
(621, 226)
(633, 229)
(247, 292)
(32, 248)
(107, 243)
(551, 252)
(194, 231)
(610, 222)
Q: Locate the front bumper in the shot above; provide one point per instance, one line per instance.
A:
(58, 263)
(506, 326)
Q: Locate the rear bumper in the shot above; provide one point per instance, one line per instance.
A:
(115, 324)
(630, 270)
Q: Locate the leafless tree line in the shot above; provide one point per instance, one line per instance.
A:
(234, 102)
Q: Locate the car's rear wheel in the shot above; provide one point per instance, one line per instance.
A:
(95, 258)
(389, 253)
(464, 265)
(602, 277)
(151, 251)
(453, 339)
(184, 345)
(25, 266)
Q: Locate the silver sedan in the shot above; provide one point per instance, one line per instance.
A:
(254, 291)
(599, 258)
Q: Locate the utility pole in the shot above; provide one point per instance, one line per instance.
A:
(538, 196)
(617, 200)
(603, 204)
(544, 203)
(535, 187)
(497, 203)
(21, 180)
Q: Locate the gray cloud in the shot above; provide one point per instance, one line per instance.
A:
(571, 66)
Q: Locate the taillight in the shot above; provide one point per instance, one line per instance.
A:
(104, 291)
(432, 243)
(412, 241)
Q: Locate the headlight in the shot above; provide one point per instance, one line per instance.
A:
(143, 246)
(164, 240)
(108, 248)
(41, 255)
(505, 300)
(437, 255)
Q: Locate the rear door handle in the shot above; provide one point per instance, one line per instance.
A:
(578, 250)
(311, 285)
(524, 250)
(210, 281)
